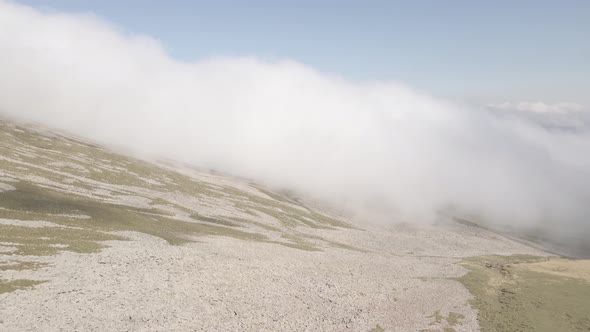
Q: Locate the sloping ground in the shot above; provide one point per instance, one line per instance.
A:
(94, 240)
(527, 293)
(85, 191)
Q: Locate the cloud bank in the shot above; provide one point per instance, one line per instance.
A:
(562, 116)
(378, 149)
(539, 107)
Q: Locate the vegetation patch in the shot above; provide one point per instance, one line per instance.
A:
(340, 245)
(15, 265)
(33, 201)
(43, 241)
(287, 212)
(212, 220)
(7, 286)
(298, 243)
(514, 293)
(451, 319)
(377, 328)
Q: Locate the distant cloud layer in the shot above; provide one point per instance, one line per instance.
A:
(540, 107)
(571, 117)
(378, 149)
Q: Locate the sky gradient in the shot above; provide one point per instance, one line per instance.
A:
(468, 50)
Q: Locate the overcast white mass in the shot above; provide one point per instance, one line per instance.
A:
(380, 150)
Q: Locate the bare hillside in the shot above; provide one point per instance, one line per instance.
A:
(95, 240)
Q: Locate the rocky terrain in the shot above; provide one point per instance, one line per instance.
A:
(93, 240)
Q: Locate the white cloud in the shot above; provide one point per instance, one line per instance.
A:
(380, 149)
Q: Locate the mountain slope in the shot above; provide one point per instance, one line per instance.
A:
(88, 190)
(95, 240)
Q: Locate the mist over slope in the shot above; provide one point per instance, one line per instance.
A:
(378, 149)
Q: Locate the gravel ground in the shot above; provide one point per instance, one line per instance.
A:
(232, 285)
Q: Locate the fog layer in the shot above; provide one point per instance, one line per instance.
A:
(380, 150)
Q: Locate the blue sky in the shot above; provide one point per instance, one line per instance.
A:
(471, 50)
